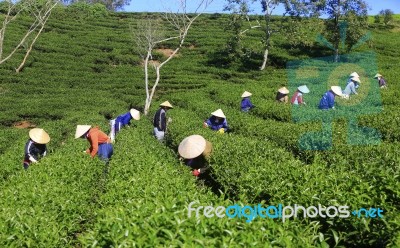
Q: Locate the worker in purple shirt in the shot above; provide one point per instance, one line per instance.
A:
(121, 121)
(217, 122)
(246, 104)
(381, 80)
(328, 99)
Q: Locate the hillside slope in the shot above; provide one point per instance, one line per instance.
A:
(83, 69)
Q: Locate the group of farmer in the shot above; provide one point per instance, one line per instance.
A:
(194, 150)
(328, 98)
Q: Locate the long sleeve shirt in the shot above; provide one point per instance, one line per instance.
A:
(350, 88)
(124, 119)
(160, 120)
(382, 82)
(327, 100)
(216, 125)
(198, 163)
(96, 137)
(246, 103)
(297, 98)
(34, 151)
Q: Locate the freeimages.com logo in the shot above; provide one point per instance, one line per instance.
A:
(281, 212)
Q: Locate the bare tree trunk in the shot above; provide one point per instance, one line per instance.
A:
(149, 98)
(268, 33)
(265, 60)
(153, 89)
(148, 39)
(146, 81)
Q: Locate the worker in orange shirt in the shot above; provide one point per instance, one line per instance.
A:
(100, 143)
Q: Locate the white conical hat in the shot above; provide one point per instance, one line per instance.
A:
(337, 90)
(135, 114)
(357, 79)
(283, 90)
(39, 136)
(218, 113)
(354, 74)
(378, 75)
(166, 104)
(192, 146)
(303, 89)
(246, 94)
(81, 130)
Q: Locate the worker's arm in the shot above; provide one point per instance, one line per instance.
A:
(94, 144)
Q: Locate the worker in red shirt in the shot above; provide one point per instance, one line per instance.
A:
(297, 98)
(100, 143)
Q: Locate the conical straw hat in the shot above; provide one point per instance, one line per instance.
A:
(357, 79)
(337, 90)
(166, 104)
(135, 114)
(283, 90)
(246, 94)
(81, 130)
(354, 74)
(192, 146)
(207, 150)
(378, 75)
(303, 89)
(218, 113)
(39, 136)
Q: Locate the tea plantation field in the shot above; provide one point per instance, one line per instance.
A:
(84, 68)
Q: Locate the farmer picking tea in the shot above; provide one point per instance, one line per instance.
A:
(328, 99)
(35, 148)
(217, 122)
(160, 120)
(100, 143)
(121, 121)
(297, 98)
(246, 104)
(352, 84)
(196, 151)
(381, 80)
(282, 95)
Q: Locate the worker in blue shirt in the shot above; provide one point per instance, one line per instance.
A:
(35, 148)
(121, 121)
(246, 104)
(328, 99)
(217, 122)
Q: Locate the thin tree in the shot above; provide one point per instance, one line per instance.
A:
(150, 34)
(39, 10)
(387, 16)
(268, 7)
(346, 22)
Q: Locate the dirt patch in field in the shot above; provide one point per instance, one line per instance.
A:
(154, 62)
(23, 124)
(191, 47)
(166, 51)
